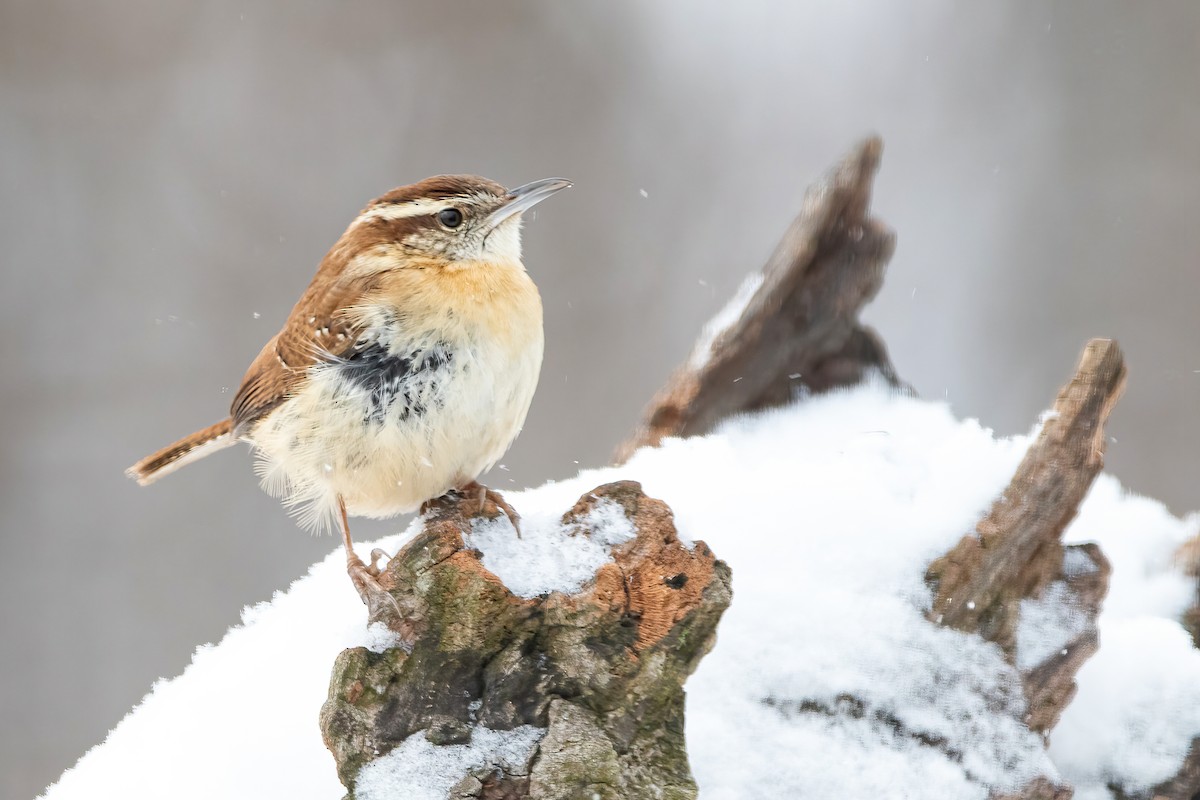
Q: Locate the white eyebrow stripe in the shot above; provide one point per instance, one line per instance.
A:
(413, 208)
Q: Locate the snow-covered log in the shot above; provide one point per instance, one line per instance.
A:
(792, 330)
(549, 665)
(543, 681)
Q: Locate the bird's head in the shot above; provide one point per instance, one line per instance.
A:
(447, 219)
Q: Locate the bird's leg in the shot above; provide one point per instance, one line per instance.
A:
(364, 578)
(483, 493)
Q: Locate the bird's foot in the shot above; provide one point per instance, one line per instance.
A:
(484, 494)
(379, 601)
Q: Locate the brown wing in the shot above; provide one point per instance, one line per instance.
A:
(316, 331)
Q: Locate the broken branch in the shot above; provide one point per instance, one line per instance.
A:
(799, 330)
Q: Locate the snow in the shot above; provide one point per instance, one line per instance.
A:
(1138, 705)
(418, 770)
(1137, 709)
(1047, 625)
(549, 556)
(826, 679)
(380, 638)
(241, 721)
(858, 492)
(724, 319)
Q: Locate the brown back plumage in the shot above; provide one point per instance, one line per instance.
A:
(314, 332)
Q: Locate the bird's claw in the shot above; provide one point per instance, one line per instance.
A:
(379, 601)
(377, 555)
(484, 494)
(508, 510)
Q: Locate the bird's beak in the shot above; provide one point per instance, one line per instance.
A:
(524, 198)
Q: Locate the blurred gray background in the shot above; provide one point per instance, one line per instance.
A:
(173, 172)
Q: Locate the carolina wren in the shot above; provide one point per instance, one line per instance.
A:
(404, 371)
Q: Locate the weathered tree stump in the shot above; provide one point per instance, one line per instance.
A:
(599, 672)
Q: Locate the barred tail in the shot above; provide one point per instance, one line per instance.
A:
(185, 451)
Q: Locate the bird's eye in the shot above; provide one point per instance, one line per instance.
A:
(450, 217)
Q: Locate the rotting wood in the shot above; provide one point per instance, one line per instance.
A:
(799, 331)
(1016, 549)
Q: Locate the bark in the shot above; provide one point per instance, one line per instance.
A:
(1050, 685)
(1016, 550)
(601, 670)
(799, 331)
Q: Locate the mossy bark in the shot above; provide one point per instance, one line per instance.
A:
(602, 670)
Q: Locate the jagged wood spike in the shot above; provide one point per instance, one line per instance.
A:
(1016, 550)
(799, 331)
